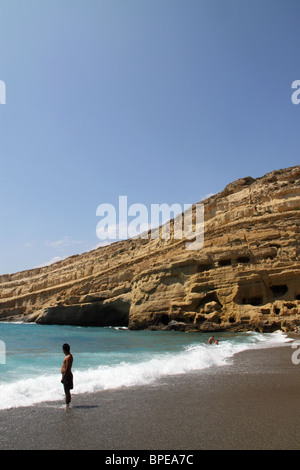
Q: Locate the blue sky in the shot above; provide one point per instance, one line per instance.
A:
(163, 101)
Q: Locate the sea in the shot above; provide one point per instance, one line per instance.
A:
(107, 358)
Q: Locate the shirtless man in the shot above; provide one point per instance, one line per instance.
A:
(211, 340)
(66, 370)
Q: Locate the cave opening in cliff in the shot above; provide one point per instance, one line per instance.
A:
(243, 259)
(209, 297)
(298, 297)
(255, 301)
(225, 262)
(110, 316)
(204, 267)
(279, 290)
(165, 319)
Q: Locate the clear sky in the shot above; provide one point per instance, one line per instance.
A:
(164, 101)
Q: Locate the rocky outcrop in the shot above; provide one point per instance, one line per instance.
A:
(246, 276)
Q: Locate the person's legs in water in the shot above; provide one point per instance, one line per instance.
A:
(68, 397)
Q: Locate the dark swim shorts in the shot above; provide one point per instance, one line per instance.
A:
(68, 382)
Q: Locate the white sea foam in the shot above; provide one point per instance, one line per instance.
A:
(30, 391)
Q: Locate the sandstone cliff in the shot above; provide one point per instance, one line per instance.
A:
(246, 276)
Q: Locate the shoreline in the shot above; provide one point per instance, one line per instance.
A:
(251, 403)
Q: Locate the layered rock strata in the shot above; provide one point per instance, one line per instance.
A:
(246, 276)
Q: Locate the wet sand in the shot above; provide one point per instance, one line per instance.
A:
(252, 403)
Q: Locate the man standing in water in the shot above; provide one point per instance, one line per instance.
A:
(66, 370)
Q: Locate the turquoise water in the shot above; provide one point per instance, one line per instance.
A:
(106, 358)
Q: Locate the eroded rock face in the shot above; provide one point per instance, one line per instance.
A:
(246, 276)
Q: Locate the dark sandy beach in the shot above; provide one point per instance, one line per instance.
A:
(253, 403)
